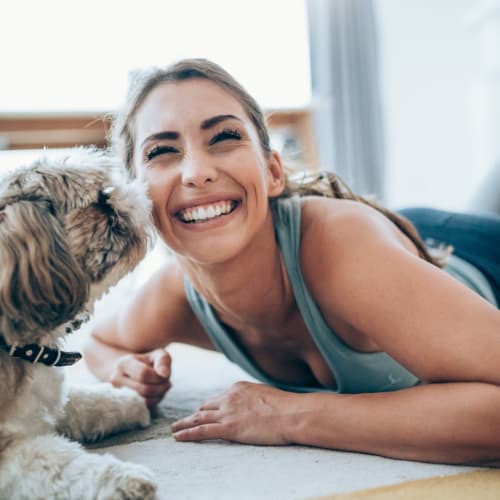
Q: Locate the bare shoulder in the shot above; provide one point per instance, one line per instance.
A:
(331, 225)
(369, 283)
(158, 314)
(338, 242)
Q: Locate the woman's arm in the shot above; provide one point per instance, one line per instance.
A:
(444, 333)
(363, 276)
(128, 348)
(445, 423)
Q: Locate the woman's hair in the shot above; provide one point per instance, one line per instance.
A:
(322, 183)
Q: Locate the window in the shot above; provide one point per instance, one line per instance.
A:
(70, 63)
(75, 56)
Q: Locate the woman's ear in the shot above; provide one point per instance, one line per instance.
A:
(276, 175)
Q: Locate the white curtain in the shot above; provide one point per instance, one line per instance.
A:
(346, 90)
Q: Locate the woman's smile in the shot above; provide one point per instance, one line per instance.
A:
(207, 213)
(203, 213)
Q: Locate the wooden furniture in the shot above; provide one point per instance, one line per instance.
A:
(62, 130)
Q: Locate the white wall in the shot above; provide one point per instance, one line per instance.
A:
(432, 94)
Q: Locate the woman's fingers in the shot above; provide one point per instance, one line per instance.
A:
(211, 404)
(148, 374)
(145, 390)
(200, 426)
(246, 413)
(201, 433)
(142, 368)
(161, 362)
(198, 418)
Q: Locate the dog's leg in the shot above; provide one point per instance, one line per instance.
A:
(95, 411)
(52, 467)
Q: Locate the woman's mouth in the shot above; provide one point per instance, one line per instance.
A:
(208, 212)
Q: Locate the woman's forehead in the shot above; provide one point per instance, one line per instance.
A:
(183, 103)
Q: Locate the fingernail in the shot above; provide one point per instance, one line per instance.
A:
(180, 434)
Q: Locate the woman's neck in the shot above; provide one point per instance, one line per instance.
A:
(252, 288)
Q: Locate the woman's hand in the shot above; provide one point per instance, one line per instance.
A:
(148, 374)
(247, 413)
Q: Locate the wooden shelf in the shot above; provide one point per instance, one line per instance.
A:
(25, 131)
(64, 130)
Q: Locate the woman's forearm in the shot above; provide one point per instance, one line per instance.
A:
(447, 423)
(101, 358)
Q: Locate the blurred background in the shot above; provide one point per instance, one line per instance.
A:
(399, 97)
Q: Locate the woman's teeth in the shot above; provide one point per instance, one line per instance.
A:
(207, 212)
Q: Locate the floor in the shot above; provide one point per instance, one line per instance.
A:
(219, 470)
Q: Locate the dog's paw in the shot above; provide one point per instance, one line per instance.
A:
(128, 482)
(136, 411)
(96, 411)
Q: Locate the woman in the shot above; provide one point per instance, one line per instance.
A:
(363, 342)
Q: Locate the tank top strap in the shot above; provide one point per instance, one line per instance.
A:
(355, 371)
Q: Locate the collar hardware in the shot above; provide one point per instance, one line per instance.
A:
(36, 353)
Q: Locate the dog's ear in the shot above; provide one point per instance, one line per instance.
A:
(41, 284)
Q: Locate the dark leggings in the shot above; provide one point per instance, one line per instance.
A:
(475, 238)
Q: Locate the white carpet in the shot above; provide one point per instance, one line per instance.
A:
(228, 471)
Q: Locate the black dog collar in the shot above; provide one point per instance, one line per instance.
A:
(36, 353)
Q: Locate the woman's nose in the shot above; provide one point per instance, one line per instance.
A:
(197, 171)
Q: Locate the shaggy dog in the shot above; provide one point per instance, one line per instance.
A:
(69, 229)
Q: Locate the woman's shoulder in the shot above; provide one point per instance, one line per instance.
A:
(334, 230)
(339, 220)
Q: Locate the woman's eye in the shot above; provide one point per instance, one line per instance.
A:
(159, 150)
(226, 134)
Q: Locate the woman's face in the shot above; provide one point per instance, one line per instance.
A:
(207, 175)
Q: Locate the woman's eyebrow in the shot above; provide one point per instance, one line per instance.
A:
(214, 120)
(205, 124)
(167, 134)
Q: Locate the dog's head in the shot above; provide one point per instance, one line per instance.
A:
(69, 229)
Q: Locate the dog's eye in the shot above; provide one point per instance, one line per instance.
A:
(159, 150)
(224, 135)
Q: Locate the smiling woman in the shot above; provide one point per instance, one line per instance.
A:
(332, 301)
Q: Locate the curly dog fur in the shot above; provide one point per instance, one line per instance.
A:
(69, 229)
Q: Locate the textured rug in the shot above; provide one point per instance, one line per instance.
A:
(202, 375)
(219, 470)
(480, 485)
(172, 408)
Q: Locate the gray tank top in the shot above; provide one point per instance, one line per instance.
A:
(355, 372)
